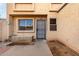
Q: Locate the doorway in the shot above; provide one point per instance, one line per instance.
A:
(41, 29)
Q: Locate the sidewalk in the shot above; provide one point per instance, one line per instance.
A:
(40, 48)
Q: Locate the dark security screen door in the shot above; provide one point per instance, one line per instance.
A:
(41, 29)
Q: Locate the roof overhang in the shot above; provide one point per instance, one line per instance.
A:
(28, 14)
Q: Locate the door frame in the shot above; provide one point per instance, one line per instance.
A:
(43, 19)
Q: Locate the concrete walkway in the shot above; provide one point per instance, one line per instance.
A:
(40, 48)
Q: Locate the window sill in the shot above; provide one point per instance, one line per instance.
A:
(53, 31)
(23, 31)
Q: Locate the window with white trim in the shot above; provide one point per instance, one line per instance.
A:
(53, 25)
(25, 24)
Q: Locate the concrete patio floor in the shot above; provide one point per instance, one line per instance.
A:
(40, 48)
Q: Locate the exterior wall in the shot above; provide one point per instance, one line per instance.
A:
(3, 30)
(0, 30)
(37, 8)
(67, 22)
(55, 6)
(51, 35)
(38, 11)
(68, 26)
(24, 6)
(25, 33)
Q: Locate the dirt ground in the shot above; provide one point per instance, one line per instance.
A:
(59, 49)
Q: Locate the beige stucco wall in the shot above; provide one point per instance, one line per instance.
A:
(68, 26)
(25, 33)
(37, 8)
(0, 30)
(40, 9)
(49, 34)
(3, 30)
(67, 22)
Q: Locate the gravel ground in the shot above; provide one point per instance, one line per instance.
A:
(59, 49)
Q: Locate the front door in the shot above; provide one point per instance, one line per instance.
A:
(41, 29)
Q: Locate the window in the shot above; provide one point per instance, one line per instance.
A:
(53, 26)
(25, 24)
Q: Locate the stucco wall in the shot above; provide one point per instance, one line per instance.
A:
(3, 30)
(14, 24)
(39, 9)
(67, 22)
(68, 26)
(51, 35)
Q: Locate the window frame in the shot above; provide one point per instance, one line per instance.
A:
(53, 25)
(25, 20)
(25, 30)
